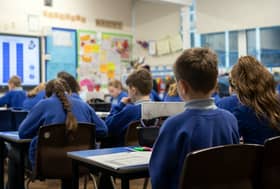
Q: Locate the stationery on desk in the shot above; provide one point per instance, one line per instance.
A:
(123, 159)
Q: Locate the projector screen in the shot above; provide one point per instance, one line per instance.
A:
(20, 55)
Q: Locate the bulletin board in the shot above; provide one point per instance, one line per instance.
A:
(62, 50)
(120, 43)
(97, 62)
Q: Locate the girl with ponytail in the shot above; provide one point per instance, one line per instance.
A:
(58, 107)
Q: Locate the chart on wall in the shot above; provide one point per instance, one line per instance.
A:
(120, 43)
(97, 63)
(61, 48)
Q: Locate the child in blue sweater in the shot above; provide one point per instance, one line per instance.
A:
(116, 91)
(139, 87)
(259, 116)
(34, 96)
(58, 108)
(15, 96)
(201, 125)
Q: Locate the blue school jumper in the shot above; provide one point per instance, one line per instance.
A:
(120, 117)
(50, 111)
(253, 129)
(172, 98)
(29, 102)
(117, 100)
(13, 98)
(229, 103)
(201, 125)
(154, 96)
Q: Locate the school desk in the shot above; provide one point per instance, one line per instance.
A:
(89, 159)
(21, 145)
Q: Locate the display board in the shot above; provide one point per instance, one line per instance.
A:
(61, 46)
(20, 55)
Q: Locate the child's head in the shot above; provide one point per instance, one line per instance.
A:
(139, 84)
(115, 88)
(72, 82)
(57, 87)
(14, 82)
(255, 87)
(196, 73)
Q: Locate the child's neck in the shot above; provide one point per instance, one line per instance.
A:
(197, 96)
(142, 98)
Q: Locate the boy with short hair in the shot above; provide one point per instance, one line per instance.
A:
(139, 85)
(15, 96)
(201, 125)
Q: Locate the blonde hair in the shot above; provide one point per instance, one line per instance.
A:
(255, 87)
(15, 80)
(172, 91)
(33, 92)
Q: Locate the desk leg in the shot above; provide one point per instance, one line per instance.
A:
(2, 157)
(75, 175)
(125, 183)
(21, 168)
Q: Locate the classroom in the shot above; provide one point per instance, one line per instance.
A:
(152, 94)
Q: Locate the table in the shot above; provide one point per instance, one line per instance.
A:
(21, 145)
(80, 158)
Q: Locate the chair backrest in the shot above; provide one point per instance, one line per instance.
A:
(17, 117)
(131, 138)
(6, 123)
(271, 164)
(147, 135)
(53, 144)
(229, 166)
(101, 107)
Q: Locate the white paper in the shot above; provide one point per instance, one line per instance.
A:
(61, 38)
(123, 159)
(150, 110)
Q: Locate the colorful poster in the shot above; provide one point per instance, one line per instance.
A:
(98, 62)
(120, 43)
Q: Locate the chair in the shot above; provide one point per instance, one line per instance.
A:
(131, 138)
(271, 164)
(6, 120)
(101, 107)
(51, 161)
(17, 117)
(229, 166)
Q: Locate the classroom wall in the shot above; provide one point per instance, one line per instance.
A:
(221, 15)
(154, 21)
(14, 14)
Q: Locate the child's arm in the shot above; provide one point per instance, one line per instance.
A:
(5, 99)
(100, 126)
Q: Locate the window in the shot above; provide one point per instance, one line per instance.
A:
(216, 42)
(233, 48)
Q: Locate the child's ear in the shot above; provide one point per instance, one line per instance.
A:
(183, 86)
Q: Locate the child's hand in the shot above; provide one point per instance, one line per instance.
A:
(126, 100)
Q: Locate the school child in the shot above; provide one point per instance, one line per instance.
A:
(172, 94)
(15, 96)
(139, 85)
(72, 83)
(231, 102)
(259, 116)
(57, 108)
(201, 125)
(116, 91)
(34, 96)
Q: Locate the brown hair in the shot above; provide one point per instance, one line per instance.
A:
(15, 80)
(72, 82)
(33, 92)
(198, 67)
(142, 80)
(255, 87)
(116, 84)
(57, 87)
